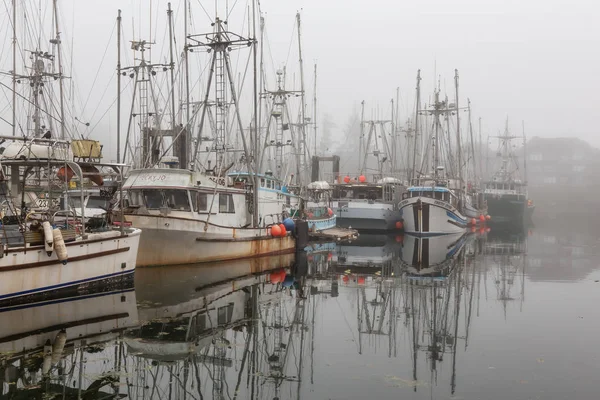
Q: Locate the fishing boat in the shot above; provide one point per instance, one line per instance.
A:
(434, 202)
(44, 254)
(317, 209)
(189, 204)
(506, 192)
(368, 206)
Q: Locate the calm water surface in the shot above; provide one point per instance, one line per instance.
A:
(484, 316)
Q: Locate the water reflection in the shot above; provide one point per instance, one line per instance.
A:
(385, 316)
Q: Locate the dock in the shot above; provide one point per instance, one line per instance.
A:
(334, 234)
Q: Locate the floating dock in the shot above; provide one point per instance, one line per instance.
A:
(336, 234)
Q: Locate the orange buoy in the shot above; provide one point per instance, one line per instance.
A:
(345, 278)
(283, 230)
(361, 280)
(347, 179)
(275, 277)
(329, 256)
(362, 179)
(275, 231)
(488, 217)
(482, 218)
(473, 221)
(330, 212)
(399, 225)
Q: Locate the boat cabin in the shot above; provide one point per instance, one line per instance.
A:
(433, 192)
(372, 192)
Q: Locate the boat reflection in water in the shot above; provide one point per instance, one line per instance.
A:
(58, 350)
(397, 312)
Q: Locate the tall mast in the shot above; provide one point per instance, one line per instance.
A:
(416, 133)
(172, 64)
(393, 146)
(315, 110)
(360, 141)
(255, 137)
(480, 149)
(119, 86)
(14, 71)
(187, 79)
(524, 153)
(458, 141)
(302, 146)
(60, 72)
(436, 141)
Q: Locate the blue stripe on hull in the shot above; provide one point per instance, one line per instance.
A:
(66, 284)
(455, 217)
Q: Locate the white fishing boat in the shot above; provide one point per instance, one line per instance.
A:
(368, 206)
(188, 217)
(199, 211)
(432, 210)
(317, 209)
(40, 257)
(434, 203)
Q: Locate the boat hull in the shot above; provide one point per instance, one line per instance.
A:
(318, 225)
(177, 241)
(366, 216)
(424, 216)
(507, 209)
(29, 275)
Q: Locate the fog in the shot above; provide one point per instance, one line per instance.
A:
(532, 61)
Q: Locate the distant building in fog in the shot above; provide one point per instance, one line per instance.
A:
(562, 162)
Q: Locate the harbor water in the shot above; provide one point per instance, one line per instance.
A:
(489, 315)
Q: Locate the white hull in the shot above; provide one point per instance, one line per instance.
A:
(30, 272)
(363, 215)
(175, 241)
(425, 216)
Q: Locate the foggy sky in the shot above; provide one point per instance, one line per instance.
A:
(530, 60)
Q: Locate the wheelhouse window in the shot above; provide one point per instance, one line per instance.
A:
(226, 203)
(153, 199)
(97, 202)
(201, 202)
(177, 199)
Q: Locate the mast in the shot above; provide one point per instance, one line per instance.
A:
(172, 64)
(524, 153)
(436, 156)
(458, 142)
(360, 141)
(256, 120)
(187, 79)
(302, 149)
(14, 71)
(416, 133)
(60, 72)
(119, 86)
(315, 110)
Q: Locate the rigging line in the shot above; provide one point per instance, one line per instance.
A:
(31, 103)
(109, 85)
(205, 12)
(99, 67)
(291, 43)
(108, 109)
